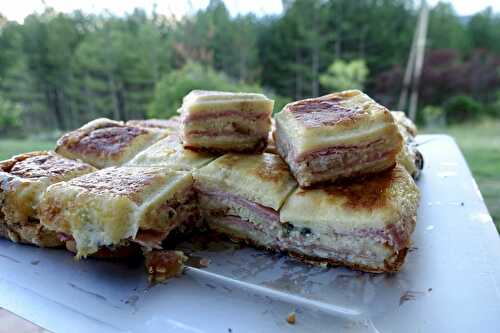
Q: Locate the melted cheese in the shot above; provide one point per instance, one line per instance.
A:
(109, 205)
(201, 101)
(170, 153)
(262, 178)
(375, 202)
(24, 179)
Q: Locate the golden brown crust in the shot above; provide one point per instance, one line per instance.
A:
(40, 164)
(6, 165)
(405, 123)
(326, 111)
(30, 234)
(258, 148)
(270, 167)
(367, 192)
(108, 140)
(130, 182)
(390, 266)
(105, 142)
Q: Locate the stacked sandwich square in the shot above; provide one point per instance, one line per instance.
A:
(340, 135)
(328, 182)
(341, 197)
(223, 122)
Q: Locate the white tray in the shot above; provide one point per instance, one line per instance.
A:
(450, 282)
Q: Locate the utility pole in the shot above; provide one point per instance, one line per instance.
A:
(403, 98)
(415, 63)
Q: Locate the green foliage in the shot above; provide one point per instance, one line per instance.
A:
(176, 84)
(311, 34)
(279, 101)
(343, 75)
(433, 115)
(10, 116)
(484, 30)
(65, 69)
(116, 67)
(493, 109)
(212, 38)
(462, 108)
(445, 31)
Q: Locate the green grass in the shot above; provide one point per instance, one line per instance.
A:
(480, 143)
(11, 147)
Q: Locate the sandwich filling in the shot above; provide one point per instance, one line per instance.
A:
(239, 217)
(169, 152)
(140, 204)
(221, 122)
(365, 225)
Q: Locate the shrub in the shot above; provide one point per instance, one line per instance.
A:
(462, 108)
(433, 115)
(493, 109)
(176, 84)
(343, 75)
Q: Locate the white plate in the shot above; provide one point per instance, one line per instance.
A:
(450, 282)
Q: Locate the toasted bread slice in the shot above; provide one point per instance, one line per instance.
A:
(340, 135)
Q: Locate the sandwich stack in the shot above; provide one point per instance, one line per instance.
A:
(328, 181)
(334, 194)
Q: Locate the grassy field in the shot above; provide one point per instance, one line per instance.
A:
(10, 147)
(479, 142)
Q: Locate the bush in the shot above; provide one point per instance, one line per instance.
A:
(433, 115)
(343, 75)
(493, 109)
(176, 84)
(462, 108)
(10, 116)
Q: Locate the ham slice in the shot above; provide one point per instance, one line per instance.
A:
(336, 150)
(265, 213)
(226, 113)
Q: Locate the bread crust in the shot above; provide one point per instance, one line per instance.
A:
(258, 148)
(104, 142)
(33, 234)
(392, 265)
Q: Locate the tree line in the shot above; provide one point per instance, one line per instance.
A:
(60, 70)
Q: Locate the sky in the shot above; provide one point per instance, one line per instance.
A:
(18, 9)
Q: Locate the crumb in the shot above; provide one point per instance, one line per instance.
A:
(291, 318)
(230, 330)
(198, 262)
(204, 262)
(429, 290)
(163, 265)
(462, 204)
(409, 296)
